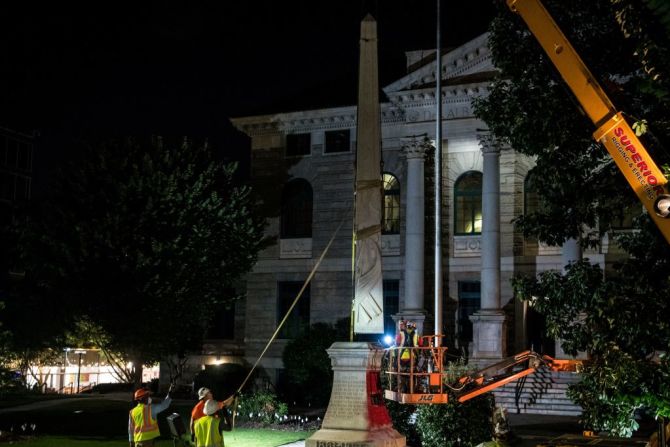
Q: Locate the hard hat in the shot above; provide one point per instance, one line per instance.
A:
(202, 392)
(211, 407)
(411, 324)
(141, 394)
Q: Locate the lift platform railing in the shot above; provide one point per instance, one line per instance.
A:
(421, 375)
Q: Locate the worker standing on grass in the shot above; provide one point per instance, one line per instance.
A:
(207, 431)
(205, 395)
(142, 424)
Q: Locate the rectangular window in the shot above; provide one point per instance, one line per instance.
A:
(391, 306)
(298, 144)
(298, 320)
(337, 141)
(469, 302)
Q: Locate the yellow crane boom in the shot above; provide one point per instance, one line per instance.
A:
(612, 130)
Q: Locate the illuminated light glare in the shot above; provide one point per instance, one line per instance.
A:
(388, 340)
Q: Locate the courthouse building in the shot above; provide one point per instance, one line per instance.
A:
(303, 163)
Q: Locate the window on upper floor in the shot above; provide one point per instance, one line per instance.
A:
(298, 321)
(337, 141)
(296, 210)
(298, 144)
(391, 223)
(468, 203)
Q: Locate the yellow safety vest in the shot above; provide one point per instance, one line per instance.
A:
(412, 341)
(207, 432)
(146, 427)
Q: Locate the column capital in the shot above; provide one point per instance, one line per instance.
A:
(489, 143)
(414, 147)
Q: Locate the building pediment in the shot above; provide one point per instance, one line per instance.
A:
(469, 63)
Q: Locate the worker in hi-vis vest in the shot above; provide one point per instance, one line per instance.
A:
(207, 432)
(142, 424)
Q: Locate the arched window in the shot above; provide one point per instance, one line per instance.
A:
(296, 210)
(391, 224)
(468, 203)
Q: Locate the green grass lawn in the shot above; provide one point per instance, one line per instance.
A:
(238, 438)
(101, 422)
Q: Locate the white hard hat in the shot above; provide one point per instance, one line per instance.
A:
(202, 392)
(211, 407)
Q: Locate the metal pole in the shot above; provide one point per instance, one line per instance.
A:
(79, 372)
(438, 184)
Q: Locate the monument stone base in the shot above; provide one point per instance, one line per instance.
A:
(356, 414)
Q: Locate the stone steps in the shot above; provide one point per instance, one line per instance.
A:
(542, 393)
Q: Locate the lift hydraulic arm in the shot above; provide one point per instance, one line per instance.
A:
(612, 130)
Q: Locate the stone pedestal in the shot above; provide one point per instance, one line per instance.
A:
(356, 415)
(489, 330)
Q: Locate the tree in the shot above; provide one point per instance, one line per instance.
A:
(309, 377)
(143, 240)
(615, 316)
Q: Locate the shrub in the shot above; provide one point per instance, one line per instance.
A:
(456, 424)
(404, 420)
(262, 407)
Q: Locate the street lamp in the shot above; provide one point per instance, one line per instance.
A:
(80, 352)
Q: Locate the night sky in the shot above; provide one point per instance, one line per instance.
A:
(75, 70)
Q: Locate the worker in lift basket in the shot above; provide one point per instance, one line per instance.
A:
(407, 339)
(142, 424)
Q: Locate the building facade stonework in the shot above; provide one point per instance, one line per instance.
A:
(303, 167)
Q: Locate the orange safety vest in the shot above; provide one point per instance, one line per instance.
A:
(207, 432)
(145, 427)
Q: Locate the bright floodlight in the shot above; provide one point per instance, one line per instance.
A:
(388, 340)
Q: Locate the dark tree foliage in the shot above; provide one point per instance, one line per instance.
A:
(141, 239)
(309, 377)
(618, 318)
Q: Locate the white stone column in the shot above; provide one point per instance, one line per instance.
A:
(489, 325)
(415, 152)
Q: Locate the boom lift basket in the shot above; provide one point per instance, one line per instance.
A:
(423, 378)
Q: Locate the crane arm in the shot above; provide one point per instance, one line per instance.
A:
(612, 130)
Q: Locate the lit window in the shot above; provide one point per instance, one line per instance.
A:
(468, 203)
(296, 210)
(391, 224)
